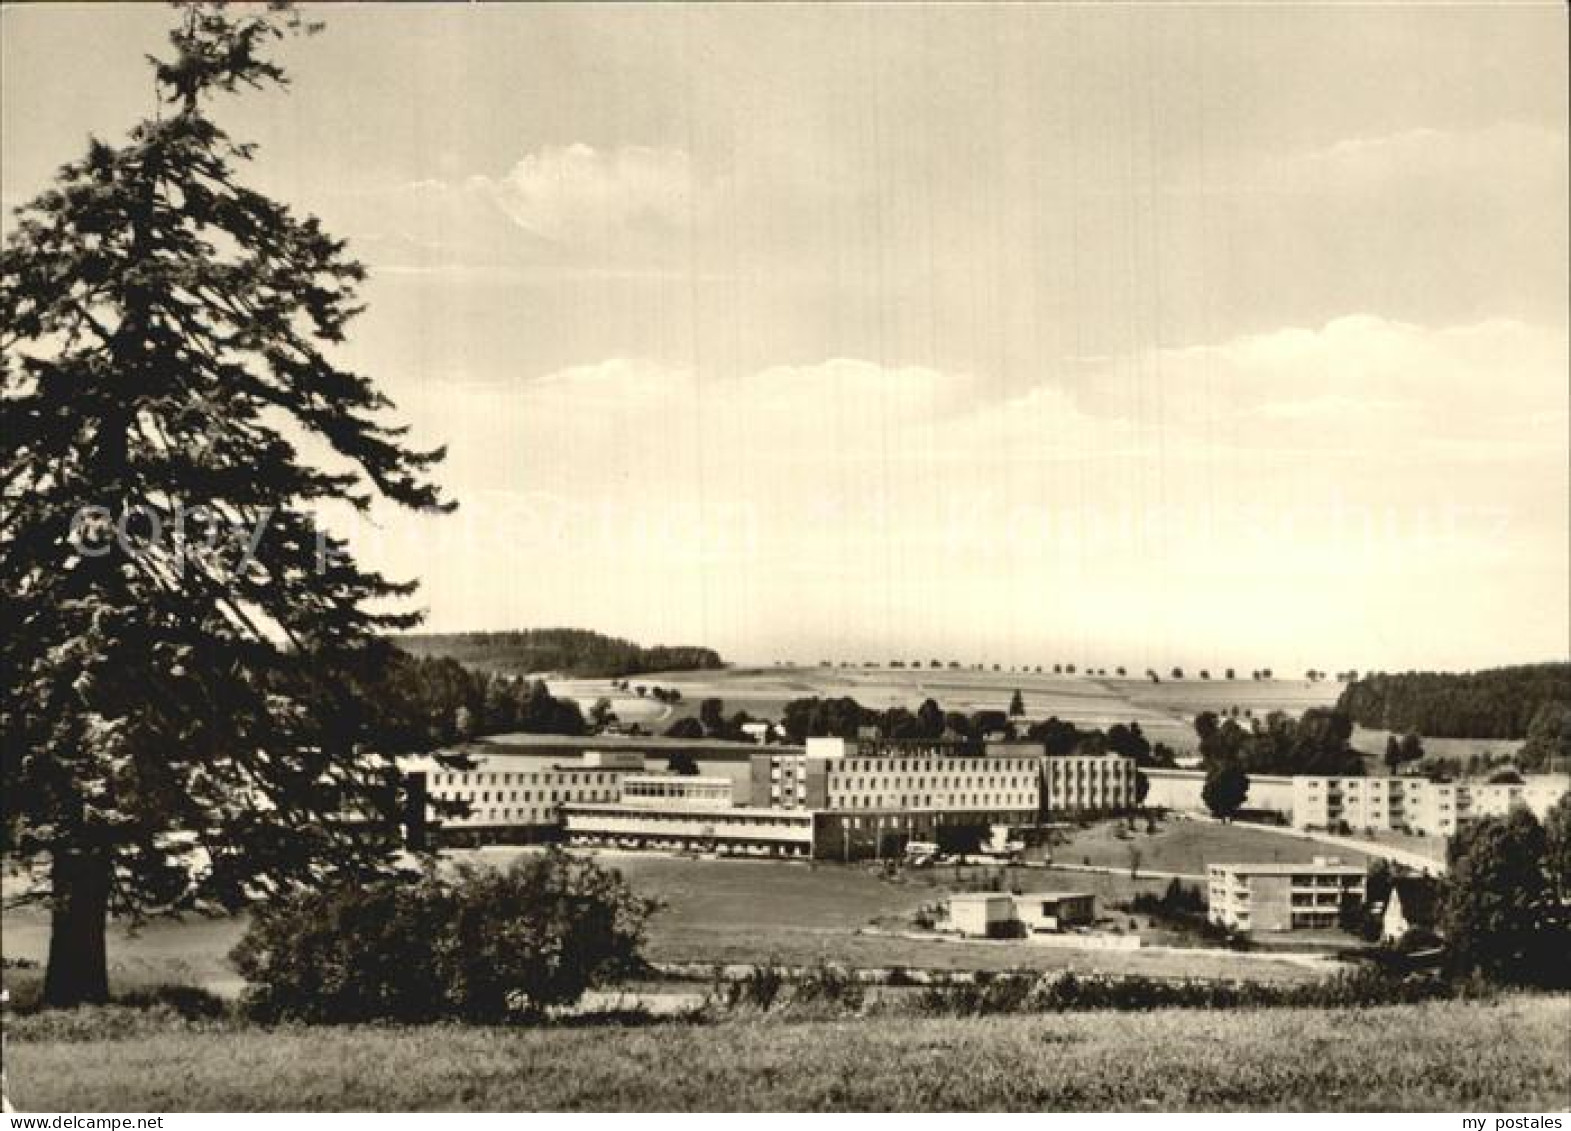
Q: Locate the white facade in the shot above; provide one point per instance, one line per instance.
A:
(1416, 804)
(676, 791)
(1003, 781)
(915, 778)
(737, 831)
(508, 791)
(1179, 790)
(1089, 784)
(980, 914)
(989, 914)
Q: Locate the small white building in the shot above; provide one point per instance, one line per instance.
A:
(981, 914)
(988, 914)
(1055, 910)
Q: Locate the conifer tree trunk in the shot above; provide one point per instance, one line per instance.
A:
(78, 971)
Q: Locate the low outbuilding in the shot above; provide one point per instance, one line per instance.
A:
(1004, 915)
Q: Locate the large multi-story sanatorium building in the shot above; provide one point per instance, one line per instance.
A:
(835, 798)
(871, 795)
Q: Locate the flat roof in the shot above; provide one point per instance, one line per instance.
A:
(1043, 895)
(1278, 868)
(801, 816)
(506, 743)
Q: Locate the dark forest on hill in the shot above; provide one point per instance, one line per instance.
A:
(1496, 703)
(566, 651)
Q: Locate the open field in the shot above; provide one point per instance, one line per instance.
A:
(1373, 742)
(740, 911)
(1185, 847)
(1511, 1055)
(735, 911)
(190, 951)
(1165, 711)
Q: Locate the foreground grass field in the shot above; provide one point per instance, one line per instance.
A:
(1514, 1054)
(715, 912)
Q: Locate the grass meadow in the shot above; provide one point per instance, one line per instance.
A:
(714, 913)
(1509, 1054)
(1186, 847)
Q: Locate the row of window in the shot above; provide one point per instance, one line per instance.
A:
(907, 822)
(572, 777)
(939, 781)
(729, 819)
(527, 796)
(927, 765)
(493, 815)
(922, 801)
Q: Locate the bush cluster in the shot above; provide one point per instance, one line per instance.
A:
(824, 987)
(475, 945)
(1030, 992)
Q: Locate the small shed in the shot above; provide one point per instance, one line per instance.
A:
(1055, 910)
(981, 914)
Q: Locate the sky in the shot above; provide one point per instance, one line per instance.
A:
(1214, 336)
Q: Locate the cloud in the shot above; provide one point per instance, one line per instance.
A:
(1367, 391)
(560, 212)
(576, 192)
(1501, 154)
(1361, 377)
(1252, 483)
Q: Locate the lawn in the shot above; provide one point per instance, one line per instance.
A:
(1511, 1055)
(1373, 743)
(1186, 847)
(190, 951)
(723, 911)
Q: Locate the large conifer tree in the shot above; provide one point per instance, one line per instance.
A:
(182, 725)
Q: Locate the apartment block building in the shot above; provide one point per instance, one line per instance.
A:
(1282, 897)
(1417, 804)
(515, 798)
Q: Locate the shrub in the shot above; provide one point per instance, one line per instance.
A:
(478, 945)
(1178, 903)
(1027, 992)
(168, 1000)
(988, 994)
(192, 1003)
(826, 983)
(758, 989)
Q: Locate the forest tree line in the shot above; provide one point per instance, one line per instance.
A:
(1317, 743)
(435, 701)
(567, 651)
(844, 717)
(1500, 703)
